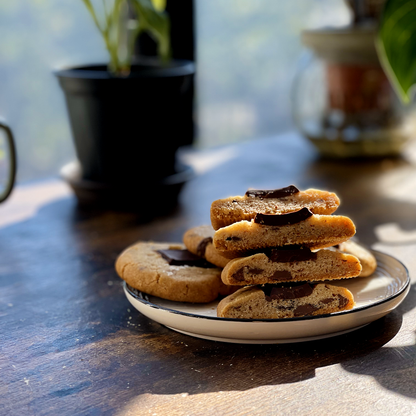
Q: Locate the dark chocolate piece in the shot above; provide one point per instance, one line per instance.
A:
(200, 250)
(304, 310)
(177, 257)
(287, 291)
(342, 301)
(274, 193)
(283, 255)
(280, 275)
(255, 270)
(283, 219)
(233, 238)
(327, 300)
(239, 274)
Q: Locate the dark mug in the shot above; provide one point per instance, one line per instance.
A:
(7, 162)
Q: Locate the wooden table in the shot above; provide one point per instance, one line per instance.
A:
(71, 344)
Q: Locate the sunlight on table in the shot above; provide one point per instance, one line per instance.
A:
(26, 200)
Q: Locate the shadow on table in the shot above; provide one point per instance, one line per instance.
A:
(392, 367)
(216, 366)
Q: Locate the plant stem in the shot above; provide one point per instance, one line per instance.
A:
(117, 38)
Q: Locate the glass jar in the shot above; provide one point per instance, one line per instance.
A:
(342, 100)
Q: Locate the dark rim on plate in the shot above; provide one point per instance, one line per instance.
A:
(141, 298)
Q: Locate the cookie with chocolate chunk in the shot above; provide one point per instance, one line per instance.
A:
(285, 301)
(198, 240)
(290, 265)
(297, 228)
(367, 259)
(227, 211)
(170, 271)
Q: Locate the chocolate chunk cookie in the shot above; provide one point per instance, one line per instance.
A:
(170, 271)
(290, 265)
(198, 240)
(367, 259)
(278, 201)
(285, 301)
(299, 228)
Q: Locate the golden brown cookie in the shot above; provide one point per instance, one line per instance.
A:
(198, 240)
(158, 269)
(278, 201)
(285, 301)
(290, 265)
(299, 228)
(367, 259)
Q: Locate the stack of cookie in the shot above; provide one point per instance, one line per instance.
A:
(279, 245)
(267, 254)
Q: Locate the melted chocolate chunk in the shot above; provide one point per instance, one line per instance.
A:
(287, 291)
(283, 219)
(202, 246)
(274, 193)
(239, 274)
(288, 255)
(342, 301)
(304, 310)
(233, 238)
(280, 275)
(177, 257)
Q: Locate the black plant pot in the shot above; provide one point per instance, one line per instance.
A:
(129, 129)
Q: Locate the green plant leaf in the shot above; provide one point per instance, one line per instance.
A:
(396, 45)
(159, 5)
(156, 23)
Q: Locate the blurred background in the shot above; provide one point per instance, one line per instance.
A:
(247, 54)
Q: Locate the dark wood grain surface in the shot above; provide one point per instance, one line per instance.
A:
(71, 344)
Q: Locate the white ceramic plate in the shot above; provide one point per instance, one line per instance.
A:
(375, 297)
